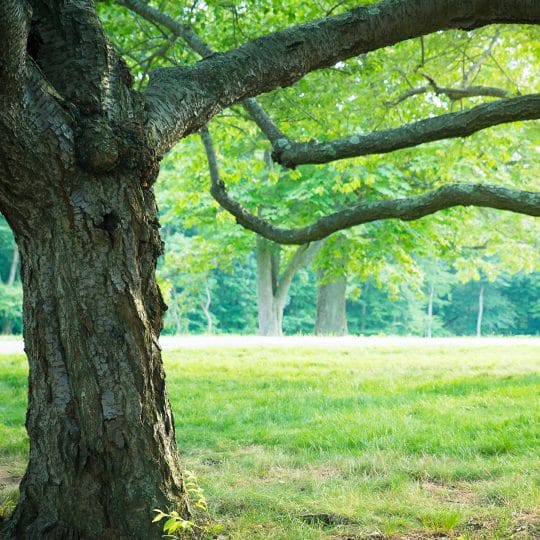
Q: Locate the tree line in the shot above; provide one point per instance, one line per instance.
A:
(226, 302)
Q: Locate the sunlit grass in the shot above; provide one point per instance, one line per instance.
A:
(309, 444)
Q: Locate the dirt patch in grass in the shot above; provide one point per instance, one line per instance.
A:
(326, 519)
(527, 525)
(412, 535)
(9, 480)
(9, 483)
(458, 493)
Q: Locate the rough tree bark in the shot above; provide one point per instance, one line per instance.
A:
(76, 176)
(99, 420)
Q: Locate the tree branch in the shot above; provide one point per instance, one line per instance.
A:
(454, 94)
(181, 100)
(258, 114)
(446, 126)
(473, 71)
(406, 209)
(301, 257)
(69, 45)
(14, 27)
(178, 29)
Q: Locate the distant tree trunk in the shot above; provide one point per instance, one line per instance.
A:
(7, 327)
(14, 266)
(175, 312)
(268, 321)
(273, 286)
(480, 311)
(331, 303)
(206, 309)
(364, 309)
(429, 328)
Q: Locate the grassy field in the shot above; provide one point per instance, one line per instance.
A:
(347, 444)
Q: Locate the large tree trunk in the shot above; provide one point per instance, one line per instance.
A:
(331, 304)
(76, 175)
(99, 420)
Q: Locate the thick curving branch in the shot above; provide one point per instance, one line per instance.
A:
(446, 126)
(406, 209)
(290, 153)
(182, 99)
(68, 43)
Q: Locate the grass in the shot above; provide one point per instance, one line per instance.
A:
(348, 444)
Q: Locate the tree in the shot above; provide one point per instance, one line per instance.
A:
(80, 151)
(273, 285)
(332, 288)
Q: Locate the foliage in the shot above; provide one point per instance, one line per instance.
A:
(359, 95)
(177, 527)
(6, 249)
(10, 294)
(11, 306)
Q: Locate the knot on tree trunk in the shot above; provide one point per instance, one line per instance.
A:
(137, 155)
(97, 147)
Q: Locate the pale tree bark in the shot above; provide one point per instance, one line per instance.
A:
(206, 308)
(364, 311)
(273, 285)
(331, 306)
(429, 317)
(480, 310)
(269, 325)
(332, 290)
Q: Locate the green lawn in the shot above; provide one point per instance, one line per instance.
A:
(348, 444)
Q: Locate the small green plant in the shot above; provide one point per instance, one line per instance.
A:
(199, 526)
(441, 521)
(7, 505)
